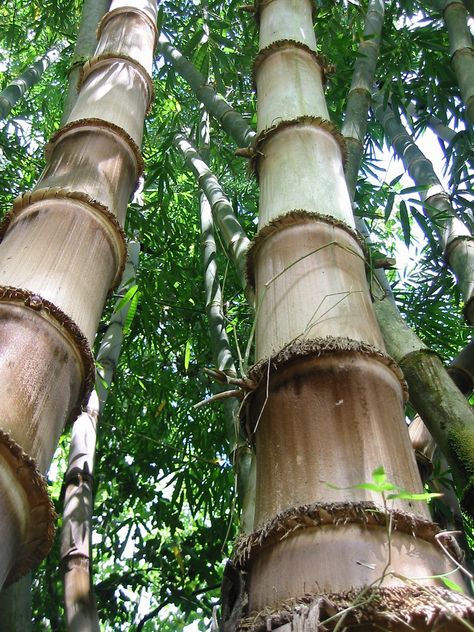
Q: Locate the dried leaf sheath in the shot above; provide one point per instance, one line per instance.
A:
(61, 253)
(328, 409)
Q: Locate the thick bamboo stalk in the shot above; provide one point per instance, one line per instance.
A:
(15, 605)
(15, 90)
(62, 251)
(328, 407)
(455, 238)
(460, 47)
(360, 93)
(233, 235)
(92, 12)
(230, 120)
(80, 607)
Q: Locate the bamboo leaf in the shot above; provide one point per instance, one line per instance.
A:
(405, 221)
(389, 205)
(129, 294)
(187, 355)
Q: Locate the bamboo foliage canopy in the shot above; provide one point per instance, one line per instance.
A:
(164, 511)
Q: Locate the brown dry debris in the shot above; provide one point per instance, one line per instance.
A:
(297, 216)
(120, 11)
(92, 62)
(315, 121)
(364, 513)
(116, 236)
(320, 60)
(65, 325)
(97, 126)
(42, 515)
(319, 347)
(398, 608)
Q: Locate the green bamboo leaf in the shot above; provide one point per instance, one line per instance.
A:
(132, 310)
(187, 355)
(451, 585)
(126, 298)
(417, 189)
(405, 221)
(396, 180)
(389, 205)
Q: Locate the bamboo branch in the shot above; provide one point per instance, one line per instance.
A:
(460, 47)
(455, 237)
(80, 606)
(360, 93)
(92, 12)
(15, 90)
(232, 232)
(230, 120)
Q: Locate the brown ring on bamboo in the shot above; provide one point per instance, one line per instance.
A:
(119, 11)
(41, 526)
(263, 54)
(113, 230)
(259, 4)
(99, 125)
(453, 242)
(316, 121)
(365, 513)
(297, 216)
(66, 327)
(319, 347)
(390, 607)
(93, 62)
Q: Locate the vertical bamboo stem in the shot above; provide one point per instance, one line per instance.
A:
(62, 251)
(328, 408)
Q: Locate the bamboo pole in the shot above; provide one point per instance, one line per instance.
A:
(62, 251)
(230, 120)
(234, 236)
(328, 407)
(92, 13)
(15, 90)
(455, 238)
(455, 16)
(76, 533)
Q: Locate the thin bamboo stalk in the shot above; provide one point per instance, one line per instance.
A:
(234, 236)
(92, 12)
(230, 120)
(360, 93)
(455, 238)
(15, 90)
(80, 607)
(328, 408)
(62, 251)
(460, 47)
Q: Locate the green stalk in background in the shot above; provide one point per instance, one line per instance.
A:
(15, 90)
(455, 238)
(80, 607)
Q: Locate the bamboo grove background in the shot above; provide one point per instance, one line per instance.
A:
(165, 512)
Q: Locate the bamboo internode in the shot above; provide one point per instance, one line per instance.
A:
(62, 251)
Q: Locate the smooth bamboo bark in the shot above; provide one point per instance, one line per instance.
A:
(460, 47)
(15, 90)
(455, 238)
(92, 13)
(230, 120)
(62, 251)
(80, 607)
(233, 235)
(15, 606)
(328, 407)
(360, 93)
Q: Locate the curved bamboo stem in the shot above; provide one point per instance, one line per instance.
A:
(461, 50)
(92, 13)
(10, 95)
(233, 234)
(360, 93)
(230, 120)
(455, 238)
(75, 544)
(62, 251)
